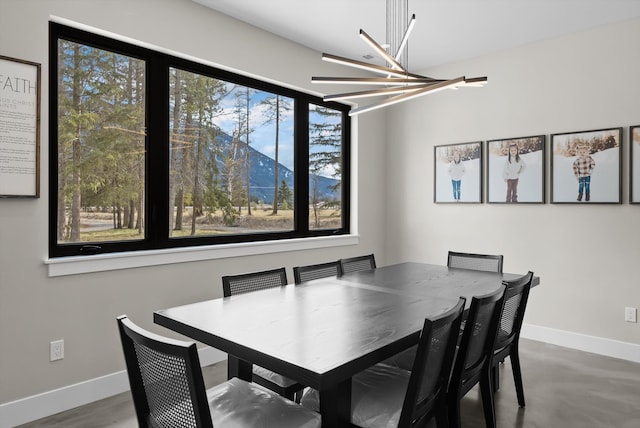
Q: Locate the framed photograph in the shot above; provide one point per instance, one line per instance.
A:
(634, 165)
(586, 167)
(458, 173)
(516, 170)
(19, 128)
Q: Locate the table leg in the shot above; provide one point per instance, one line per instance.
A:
(335, 405)
(239, 368)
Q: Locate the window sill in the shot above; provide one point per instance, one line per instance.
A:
(134, 259)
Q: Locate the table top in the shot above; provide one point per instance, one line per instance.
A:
(322, 332)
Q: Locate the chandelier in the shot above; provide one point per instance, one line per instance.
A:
(396, 83)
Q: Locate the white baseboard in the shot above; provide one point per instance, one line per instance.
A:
(51, 402)
(597, 345)
(59, 400)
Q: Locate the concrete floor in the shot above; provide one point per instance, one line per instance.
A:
(564, 388)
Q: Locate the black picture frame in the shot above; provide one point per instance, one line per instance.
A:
(20, 115)
(604, 171)
(468, 171)
(520, 179)
(634, 164)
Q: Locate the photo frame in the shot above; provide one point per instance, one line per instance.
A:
(586, 167)
(20, 128)
(634, 164)
(516, 170)
(458, 173)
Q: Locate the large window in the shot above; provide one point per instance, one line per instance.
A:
(149, 151)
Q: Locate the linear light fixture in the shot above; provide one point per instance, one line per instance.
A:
(400, 84)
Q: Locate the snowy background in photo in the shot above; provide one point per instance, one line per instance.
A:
(530, 185)
(605, 179)
(469, 184)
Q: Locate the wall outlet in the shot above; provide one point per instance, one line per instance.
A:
(630, 314)
(56, 350)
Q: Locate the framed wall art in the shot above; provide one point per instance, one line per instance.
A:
(19, 128)
(586, 167)
(634, 165)
(458, 173)
(516, 170)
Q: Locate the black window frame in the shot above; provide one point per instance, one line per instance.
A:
(156, 215)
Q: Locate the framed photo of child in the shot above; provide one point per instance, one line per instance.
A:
(458, 173)
(634, 167)
(586, 167)
(516, 170)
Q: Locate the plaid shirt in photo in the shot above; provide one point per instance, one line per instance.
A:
(583, 166)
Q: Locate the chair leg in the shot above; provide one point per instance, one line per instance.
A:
(453, 407)
(495, 374)
(486, 392)
(517, 375)
(442, 420)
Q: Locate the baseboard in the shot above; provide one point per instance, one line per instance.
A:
(51, 402)
(597, 345)
(59, 400)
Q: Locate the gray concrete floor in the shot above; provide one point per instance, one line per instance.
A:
(564, 388)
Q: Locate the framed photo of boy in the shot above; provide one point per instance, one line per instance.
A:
(586, 167)
(458, 173)
(516, 170)
(634, 167)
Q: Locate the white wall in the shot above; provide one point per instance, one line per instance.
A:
(81, 309)
(586, 255)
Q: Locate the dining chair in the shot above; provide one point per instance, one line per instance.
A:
(485, 262)
(506, 344)
(254, 281)
(385, 396)
(321, 270)
(354, 264)
(474, 357)
(168, 389)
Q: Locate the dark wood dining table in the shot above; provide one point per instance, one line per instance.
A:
(323, 332)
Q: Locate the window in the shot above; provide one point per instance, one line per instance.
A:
(153, 151)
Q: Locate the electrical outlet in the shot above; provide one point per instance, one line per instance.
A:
(630, 314)
(56, 350)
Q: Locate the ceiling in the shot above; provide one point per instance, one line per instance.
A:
(446, 31)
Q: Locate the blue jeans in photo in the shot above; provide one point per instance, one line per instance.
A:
(456, 189)
(584, 185)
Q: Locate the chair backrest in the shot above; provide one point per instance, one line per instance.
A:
(476, 346)
(247, 282)
(165, 378)
(354, 264)
(431, 368)
(485, 262)
(515, 303)
(322, 270)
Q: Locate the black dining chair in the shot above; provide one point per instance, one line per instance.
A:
(354, 264)
(168, 389)
(474, 357)
(321, 270)
(506, 344)
(254, 281)
(485, 262)
(385, 396)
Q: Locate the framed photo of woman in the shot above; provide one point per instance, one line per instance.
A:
(516, 170)
(586, 167)
(634, 167)
(458, 173)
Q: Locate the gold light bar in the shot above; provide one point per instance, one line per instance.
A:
(405, 38)
(405, 97)
(368, 67)
(374, 80)
(377, 92)
(380, 50)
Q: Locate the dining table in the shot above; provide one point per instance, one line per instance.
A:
(321, 333)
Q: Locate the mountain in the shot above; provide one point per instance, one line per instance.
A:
(262, 174)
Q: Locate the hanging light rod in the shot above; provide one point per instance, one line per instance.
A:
(401, 84)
